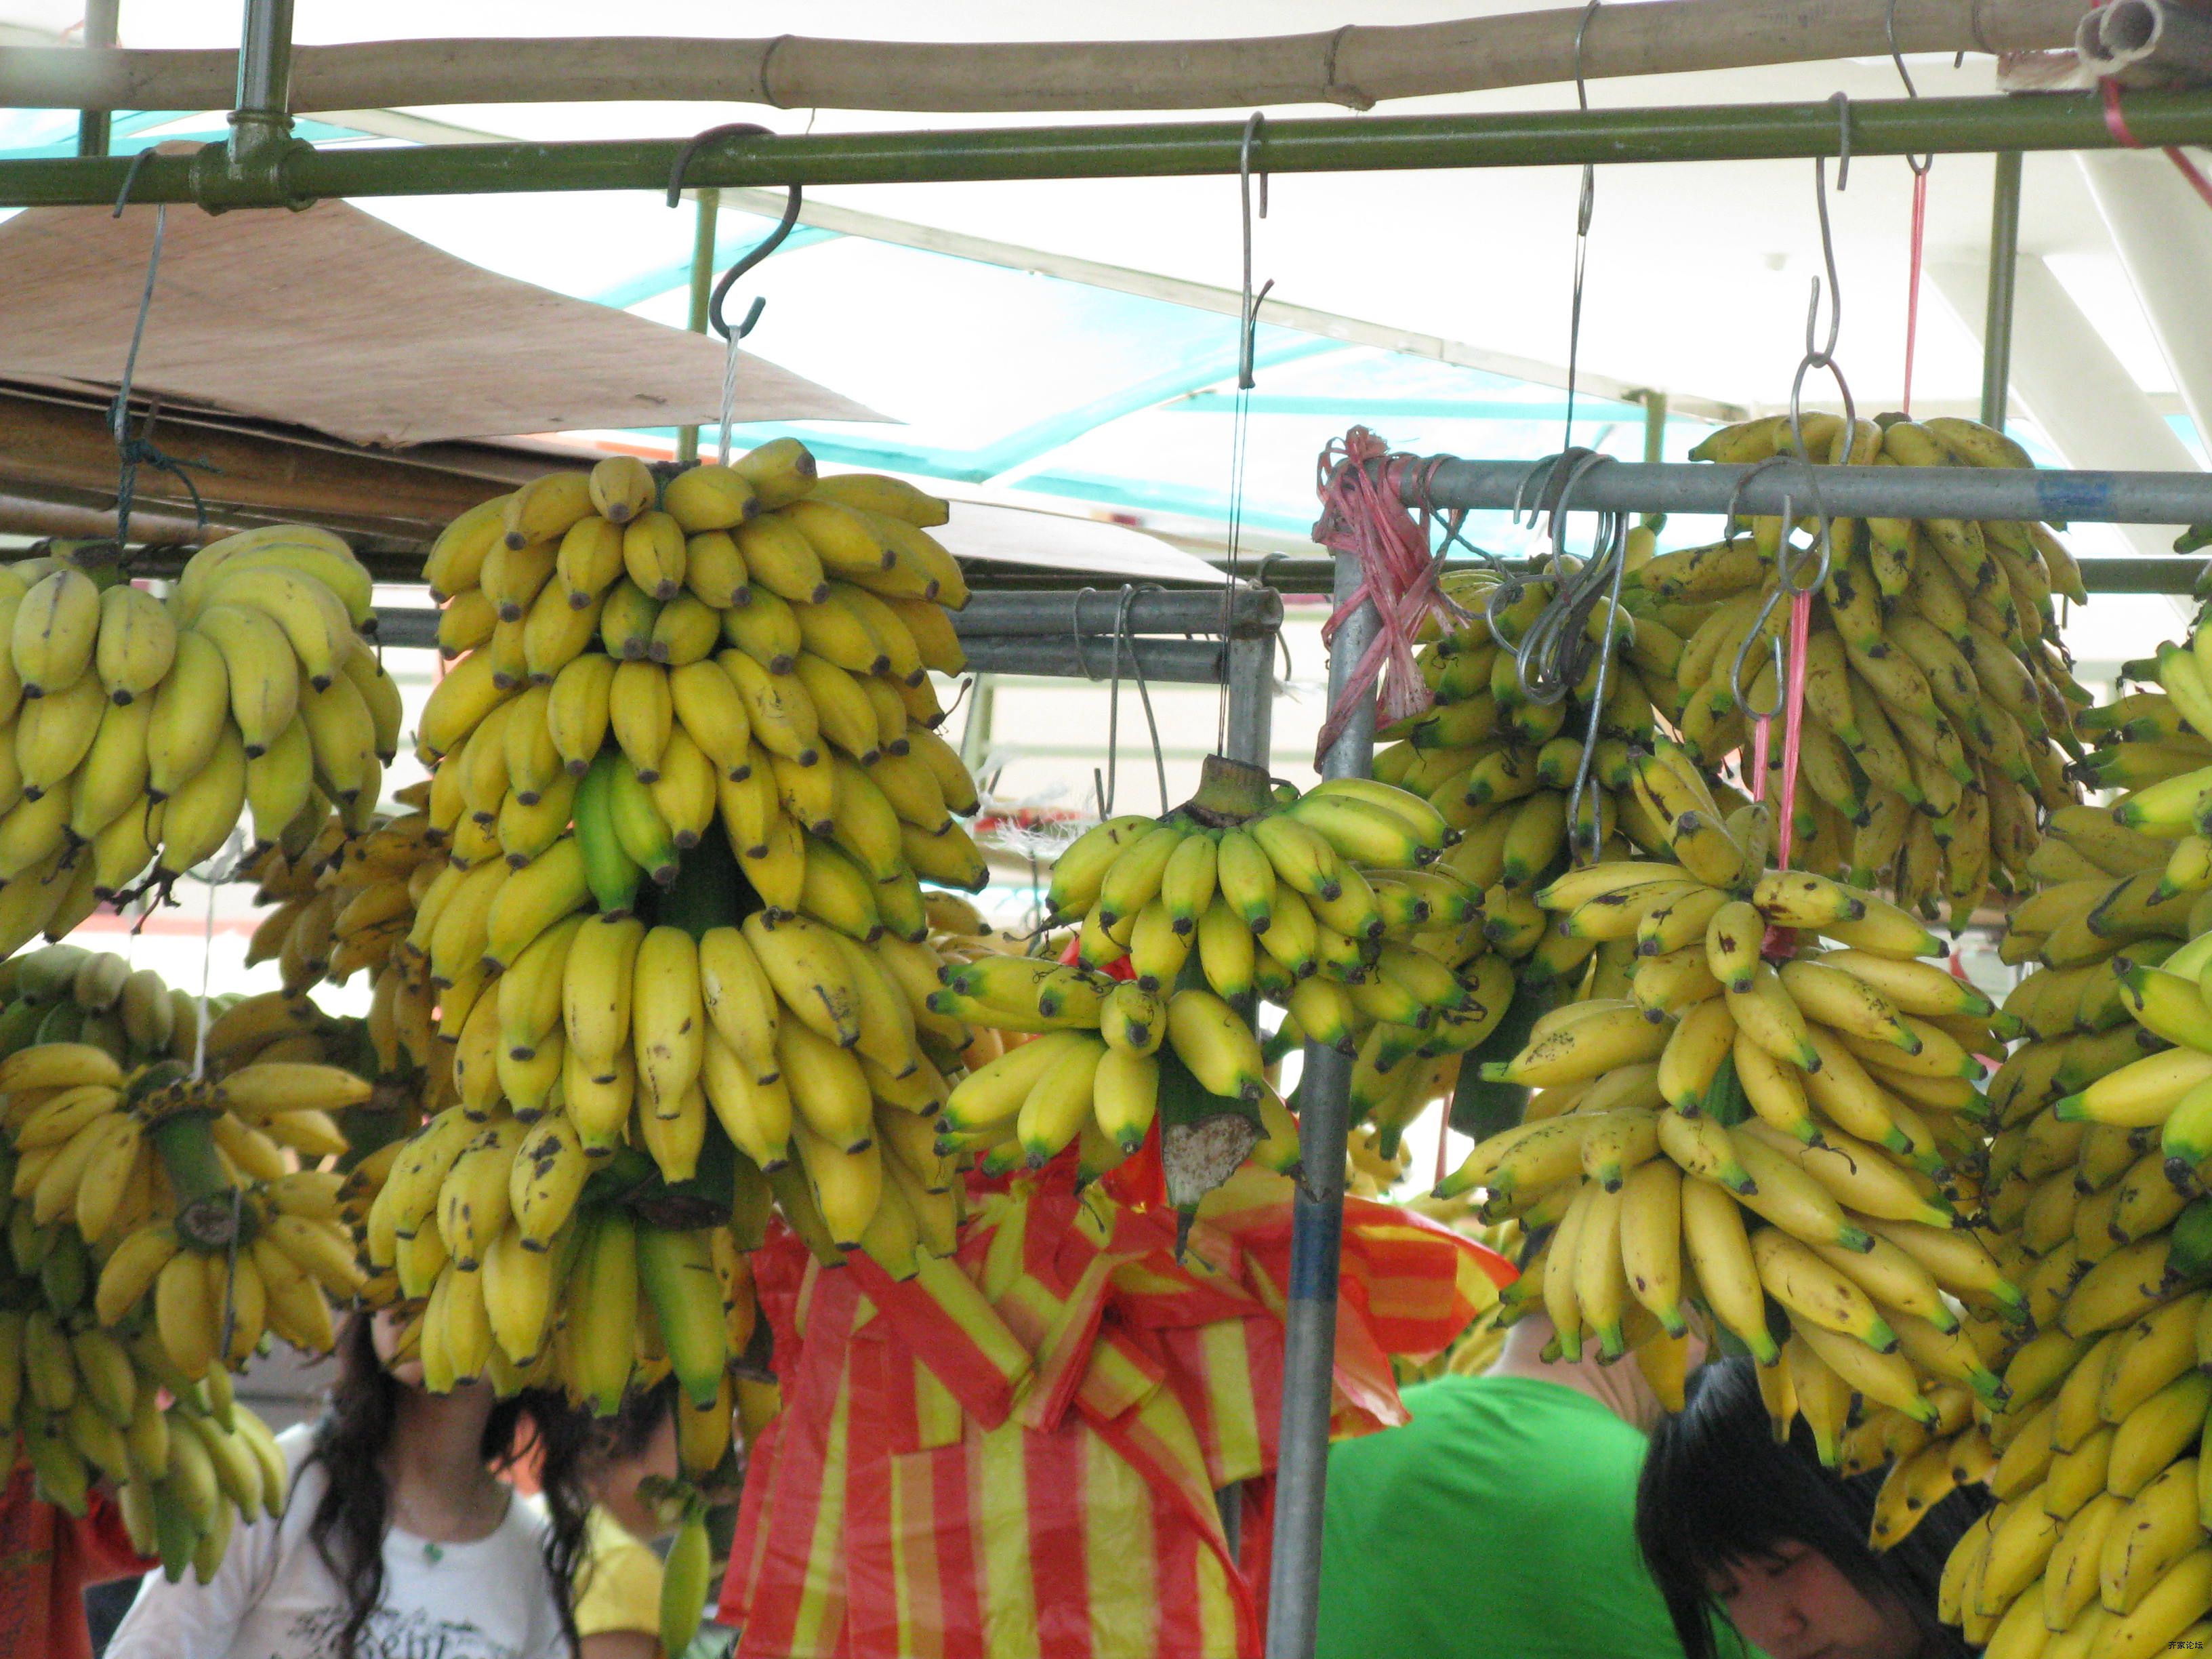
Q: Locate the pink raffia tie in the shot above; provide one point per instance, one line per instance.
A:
(1361, 516)
(1912, 290)
(1782, 942)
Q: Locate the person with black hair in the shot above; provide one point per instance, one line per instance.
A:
(1741, 1531)
(398, 1537)
(618, 1582)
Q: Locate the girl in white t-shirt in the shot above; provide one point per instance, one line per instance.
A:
(398, 1537)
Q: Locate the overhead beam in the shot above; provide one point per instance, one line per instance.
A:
(1744, 132)
(835, 218)
(55, 449)
(1356, 66)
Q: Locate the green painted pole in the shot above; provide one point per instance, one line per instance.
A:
(703, 288)
(2005, 267)
(1374, 143)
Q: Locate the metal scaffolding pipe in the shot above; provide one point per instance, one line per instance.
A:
(1316, 1232)
(1518, 138)
(1089, 655)
(1099, 613)
(2099, 575)
(2004, 269)
(1860, 492)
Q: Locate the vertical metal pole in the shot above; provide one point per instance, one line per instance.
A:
(1251, 670)
(93, 125)
(2004, 261)
(702, 285)
(976, 736)
(1316, 1236)
(261, 124)
(1655, 441)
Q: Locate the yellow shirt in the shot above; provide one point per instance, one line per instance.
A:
(617, 1581)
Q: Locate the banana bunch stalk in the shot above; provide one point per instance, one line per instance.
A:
(1755, 1124)
(2099, 1543)
(1330, 905)
(83, 1404)
(1935, 688)
(678, 953)
(140, 729)
(1501, 768)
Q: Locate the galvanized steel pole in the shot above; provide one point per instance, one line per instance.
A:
(1317, 1236)
(2051, 494)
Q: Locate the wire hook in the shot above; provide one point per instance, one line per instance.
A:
(1919, 164)
(766, 246)
(1249, 312)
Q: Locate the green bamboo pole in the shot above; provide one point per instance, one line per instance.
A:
(1531, 138)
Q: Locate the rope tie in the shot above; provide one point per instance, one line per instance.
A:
(1360, 481)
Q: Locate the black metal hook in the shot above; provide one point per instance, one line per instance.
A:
(768, 245)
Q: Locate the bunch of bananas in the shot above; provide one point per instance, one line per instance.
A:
(140, 728)
(2099, 1543)
(1501, 766)
(1749, 1118)
(188, 1189)
(81, 1402)
(65, 993)
(1935, 685)
(758, 648)
(748, 646)
(1325, 904)
(345, 903)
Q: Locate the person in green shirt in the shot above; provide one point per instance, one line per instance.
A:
(1500, 1522)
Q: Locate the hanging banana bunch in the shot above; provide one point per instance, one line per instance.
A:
(81, 1402)
(660, 937)
(346, 903)
(141, 729)
(1331, 905)
(1751, 1118)
(1939, 701)
(2097, 1202)
(1503, 768)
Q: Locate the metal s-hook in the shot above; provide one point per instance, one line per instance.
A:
(766, 246)
(1249, 310)
(1919, 164)
(1821, 357)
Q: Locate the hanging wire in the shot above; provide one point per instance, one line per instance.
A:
(1583, 209)
(1248, 329)
(1804, 571)
(133, 452)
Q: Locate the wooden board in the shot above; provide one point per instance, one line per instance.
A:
(334, 320)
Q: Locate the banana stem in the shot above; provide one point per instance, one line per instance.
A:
(1230, 792)
(208, 1215)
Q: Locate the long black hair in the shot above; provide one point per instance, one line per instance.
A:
(1718, 1490)
(354, 1512)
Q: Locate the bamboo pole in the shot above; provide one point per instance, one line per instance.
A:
(1356, 66)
